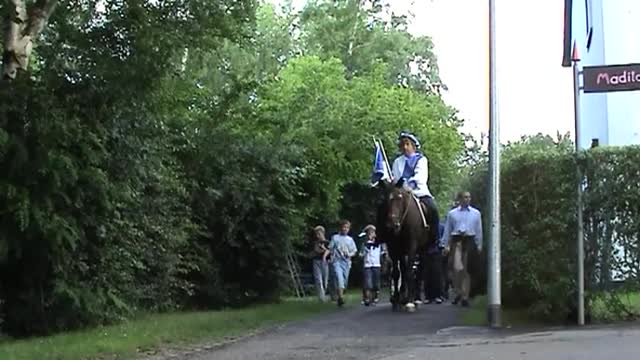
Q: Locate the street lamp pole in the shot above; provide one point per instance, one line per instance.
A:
(494, 304)
(575, 59)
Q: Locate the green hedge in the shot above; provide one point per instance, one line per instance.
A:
(613, 221)
(538, 223)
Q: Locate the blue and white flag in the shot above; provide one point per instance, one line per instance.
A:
(381, 170)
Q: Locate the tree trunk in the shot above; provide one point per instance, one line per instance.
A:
(22, 26)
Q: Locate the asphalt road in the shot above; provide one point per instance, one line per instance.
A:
(429, 333)
(591, 343)
(351, 333)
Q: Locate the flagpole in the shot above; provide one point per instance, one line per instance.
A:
(386, 160)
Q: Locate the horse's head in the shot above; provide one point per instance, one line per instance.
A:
(395, 205)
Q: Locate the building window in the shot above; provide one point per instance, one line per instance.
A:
(588, 10)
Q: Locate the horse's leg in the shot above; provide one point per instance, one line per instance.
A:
(395, 278)
(411, 275)
(424, 276)
(405, 269)
(395, 275)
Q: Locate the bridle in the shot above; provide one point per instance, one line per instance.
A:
(406, 208)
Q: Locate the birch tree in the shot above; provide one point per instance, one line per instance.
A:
(25, 20)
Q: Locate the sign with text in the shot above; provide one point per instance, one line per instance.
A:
(611, 78)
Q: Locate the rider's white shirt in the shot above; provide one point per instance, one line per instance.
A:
(420, 177)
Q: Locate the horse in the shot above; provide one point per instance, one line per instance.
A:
(400, 225)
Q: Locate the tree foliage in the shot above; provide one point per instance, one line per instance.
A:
(163, 155)
(362, 33)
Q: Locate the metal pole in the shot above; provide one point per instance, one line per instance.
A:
(580, 225)
(494, 304)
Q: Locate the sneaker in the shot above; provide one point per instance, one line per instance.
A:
(428, 301)
(363, 302)
(417, 301)
(438, 300)
(465, 303)
(376, 300)
(340, 302)
(456, 300)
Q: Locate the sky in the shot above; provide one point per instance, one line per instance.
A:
(535, 93)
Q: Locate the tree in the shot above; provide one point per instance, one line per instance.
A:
(96, 215)
(332, 120)
(24, 23)
(363, 33)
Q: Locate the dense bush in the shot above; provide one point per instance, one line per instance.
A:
(538, 223)
(612, 227)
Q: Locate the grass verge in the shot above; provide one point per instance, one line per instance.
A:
(129, 339)
(476, 315)
(602, 311)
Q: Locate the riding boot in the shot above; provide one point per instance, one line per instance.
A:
(432, 217)
(434, 232)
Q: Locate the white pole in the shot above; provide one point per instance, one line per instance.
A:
(494, 304)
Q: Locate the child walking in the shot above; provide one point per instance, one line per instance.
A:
(342, 248)
(320, 264)
(372, 253)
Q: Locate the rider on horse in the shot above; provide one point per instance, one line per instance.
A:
(411, 170)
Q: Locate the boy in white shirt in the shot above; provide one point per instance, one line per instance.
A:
(342, 248)
(371, 253)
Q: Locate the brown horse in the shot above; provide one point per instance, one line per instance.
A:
(400, 225)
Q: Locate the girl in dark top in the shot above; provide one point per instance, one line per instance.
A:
(320, 265)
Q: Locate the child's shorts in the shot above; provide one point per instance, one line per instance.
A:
(372, 278)
(341, 270)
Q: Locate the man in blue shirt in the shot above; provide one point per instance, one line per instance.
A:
(462, 231)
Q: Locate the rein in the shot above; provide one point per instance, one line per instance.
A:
(406, 211)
